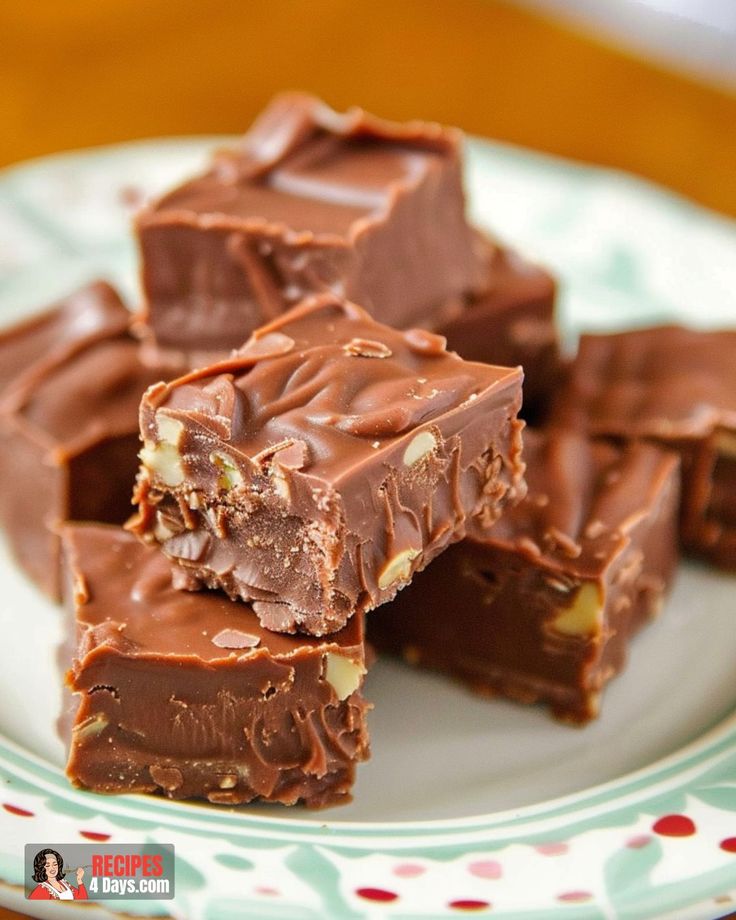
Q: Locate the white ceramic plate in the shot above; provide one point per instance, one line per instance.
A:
(467, 805)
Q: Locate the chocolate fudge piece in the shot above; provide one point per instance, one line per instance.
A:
(187, 695)
(511, 321)
(675, 387)
(542, 608)
(91, 313)
(68, 425)
(325, 463)
(310, 201)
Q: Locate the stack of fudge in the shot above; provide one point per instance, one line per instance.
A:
(318, 403)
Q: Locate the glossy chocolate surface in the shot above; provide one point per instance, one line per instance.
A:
(187, 695)
(68, 424)
(322, 465)
(542, 608)
(310, 201)
(676, 387)
(92, 312)
(510, 321)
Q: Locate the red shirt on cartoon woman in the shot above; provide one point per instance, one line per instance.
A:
(48, 871)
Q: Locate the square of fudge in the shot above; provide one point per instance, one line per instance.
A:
(322, 465)
(510, 321)
(310, 201)
(187, 695)
(94, 311)
(542, 607)
(68, 425)
(675, 387)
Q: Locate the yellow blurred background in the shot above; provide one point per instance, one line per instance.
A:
(87, 72)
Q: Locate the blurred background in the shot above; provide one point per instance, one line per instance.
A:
(645, 85)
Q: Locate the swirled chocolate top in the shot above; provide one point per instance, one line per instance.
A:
(584, 500)
(89, 314)
(326, 389)
(326, 461)
(665, 382)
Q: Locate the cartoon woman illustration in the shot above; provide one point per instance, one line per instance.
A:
(48, 871)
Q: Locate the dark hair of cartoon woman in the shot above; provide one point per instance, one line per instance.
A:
(39, 865)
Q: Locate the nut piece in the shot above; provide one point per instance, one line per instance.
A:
(162, 531)
(280, 485)
(223, 798)
(343, 674)
(235, 638)
(276, 459)
(397, 569)
(169, 429)
(90, 727)
(422, 445)
(163, 458)
(584, 617)
(230, 476)
(228, 781)
(366, 348)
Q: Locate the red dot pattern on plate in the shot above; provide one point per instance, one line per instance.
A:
(94, 835)
(574, 897)
(552, 849)
(376, 894)
(674, 826)
(486, 868)
(729, 844)
(641, 840)
(21, 812)
(264, 889)
(409, 870)
(469, 904)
